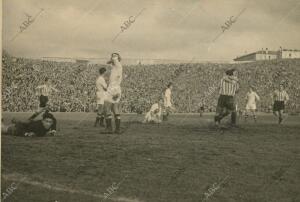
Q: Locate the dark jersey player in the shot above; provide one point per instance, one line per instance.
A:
(39, 128)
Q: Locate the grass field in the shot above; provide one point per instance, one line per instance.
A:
(184, 160)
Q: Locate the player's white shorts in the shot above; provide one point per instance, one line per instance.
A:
(250, 106)
(113, 94)
(100, 98)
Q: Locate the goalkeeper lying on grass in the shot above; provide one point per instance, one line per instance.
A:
(38, 128)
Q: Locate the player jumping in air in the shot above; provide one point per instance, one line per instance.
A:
(251, 98)
(168, 108)
(101, 87)
(226, 104)
(45, 90)
(280, 98)
(154, 114)
(113, 95)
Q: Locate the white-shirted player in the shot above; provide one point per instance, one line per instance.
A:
(154, 114)
(101, 87)
(168, 108)
(251, 98)
(113, 94)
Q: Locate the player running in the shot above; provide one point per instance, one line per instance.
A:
(101, 87)
(226, 104)
(45, 90)
(168, 108)
(113, 95)
(154, 114)
(280, 98)
(251, 98)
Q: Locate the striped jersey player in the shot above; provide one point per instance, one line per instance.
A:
(280, 98)
(226, 104)
(44, 91)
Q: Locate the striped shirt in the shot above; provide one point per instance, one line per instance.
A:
(280, 95)
(46, 89)
(228, 87)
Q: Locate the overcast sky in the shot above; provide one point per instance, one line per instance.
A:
(171, 29)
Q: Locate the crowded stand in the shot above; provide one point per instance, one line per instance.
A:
(195, 84)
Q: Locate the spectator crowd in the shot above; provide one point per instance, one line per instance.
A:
(195, 85)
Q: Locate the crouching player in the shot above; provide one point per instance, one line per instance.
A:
(101, 90)
(154, 115)
(113, 95)
(29, 128)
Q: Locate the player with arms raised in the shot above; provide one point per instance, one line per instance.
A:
(113, 95)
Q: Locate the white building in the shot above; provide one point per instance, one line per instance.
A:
(269, 55)
(285, 53)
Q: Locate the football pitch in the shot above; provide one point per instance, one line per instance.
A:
(184, 159)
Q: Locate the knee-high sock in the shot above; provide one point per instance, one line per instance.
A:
(233, 117)
(108, 124)
(118, 121)
(101, 120)
(96, 121)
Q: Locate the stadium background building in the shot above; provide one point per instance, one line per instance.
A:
(269, 55)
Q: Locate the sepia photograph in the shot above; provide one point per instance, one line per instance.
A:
(150, 100)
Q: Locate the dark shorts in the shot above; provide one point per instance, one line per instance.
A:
(43, 101)
(278, 105)
(225, 101)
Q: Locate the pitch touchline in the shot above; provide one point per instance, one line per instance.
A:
(20, 178)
